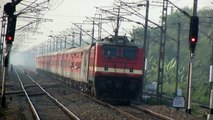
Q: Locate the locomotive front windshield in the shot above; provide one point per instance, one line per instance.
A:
(129, 52)
(123, 52)
(110, 51)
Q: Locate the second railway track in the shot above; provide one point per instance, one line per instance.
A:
(43, 105)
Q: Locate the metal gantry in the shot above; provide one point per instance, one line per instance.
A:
(3, 32)
(162, 50)
(2, 68)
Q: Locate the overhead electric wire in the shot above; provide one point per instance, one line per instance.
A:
(142, 16)
(120, 16)
(83, 30)
(22, 11)
(99, 26)
(57, 5)
(184, 12)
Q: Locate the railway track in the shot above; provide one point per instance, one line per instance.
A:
(84, 107)
(42, 104)
(132, 112)
(201, 109)
(155, 114)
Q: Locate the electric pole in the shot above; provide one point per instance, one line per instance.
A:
(145, 48)
(162, 50)
(9, 9)
(209, 117)
(177, 58)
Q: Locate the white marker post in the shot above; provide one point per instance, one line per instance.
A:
(210, 115)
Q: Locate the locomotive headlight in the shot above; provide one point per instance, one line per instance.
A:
(131, 69)
(106, 68)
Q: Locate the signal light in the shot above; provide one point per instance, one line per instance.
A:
(193, 33)
(193, 40)
(9, 8)
(9, 38)
(11, 26)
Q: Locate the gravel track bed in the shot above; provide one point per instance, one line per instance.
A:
(80, 105)
(138, 113)
(45, 107)
(161, 109)
(171, 112)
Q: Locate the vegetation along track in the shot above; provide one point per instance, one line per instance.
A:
(42, 104)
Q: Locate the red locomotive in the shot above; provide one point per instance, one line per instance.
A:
(112, 69)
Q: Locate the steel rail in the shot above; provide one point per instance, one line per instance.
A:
(152, 113)
(35, 113)
(66, 110)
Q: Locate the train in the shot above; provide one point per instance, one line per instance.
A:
(111, 69)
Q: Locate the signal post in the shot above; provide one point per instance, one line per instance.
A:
(9, 9)
(193, 39)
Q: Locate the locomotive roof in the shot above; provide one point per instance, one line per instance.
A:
(128, 44)
(119, 41)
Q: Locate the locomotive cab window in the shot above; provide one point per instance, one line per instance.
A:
(110, 51)
(129, 52)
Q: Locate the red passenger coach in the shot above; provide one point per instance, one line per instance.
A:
(111, 69)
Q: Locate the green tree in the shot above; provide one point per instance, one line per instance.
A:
(203, 54)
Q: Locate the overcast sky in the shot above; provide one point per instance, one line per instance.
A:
(76, 10)
(64, 12)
